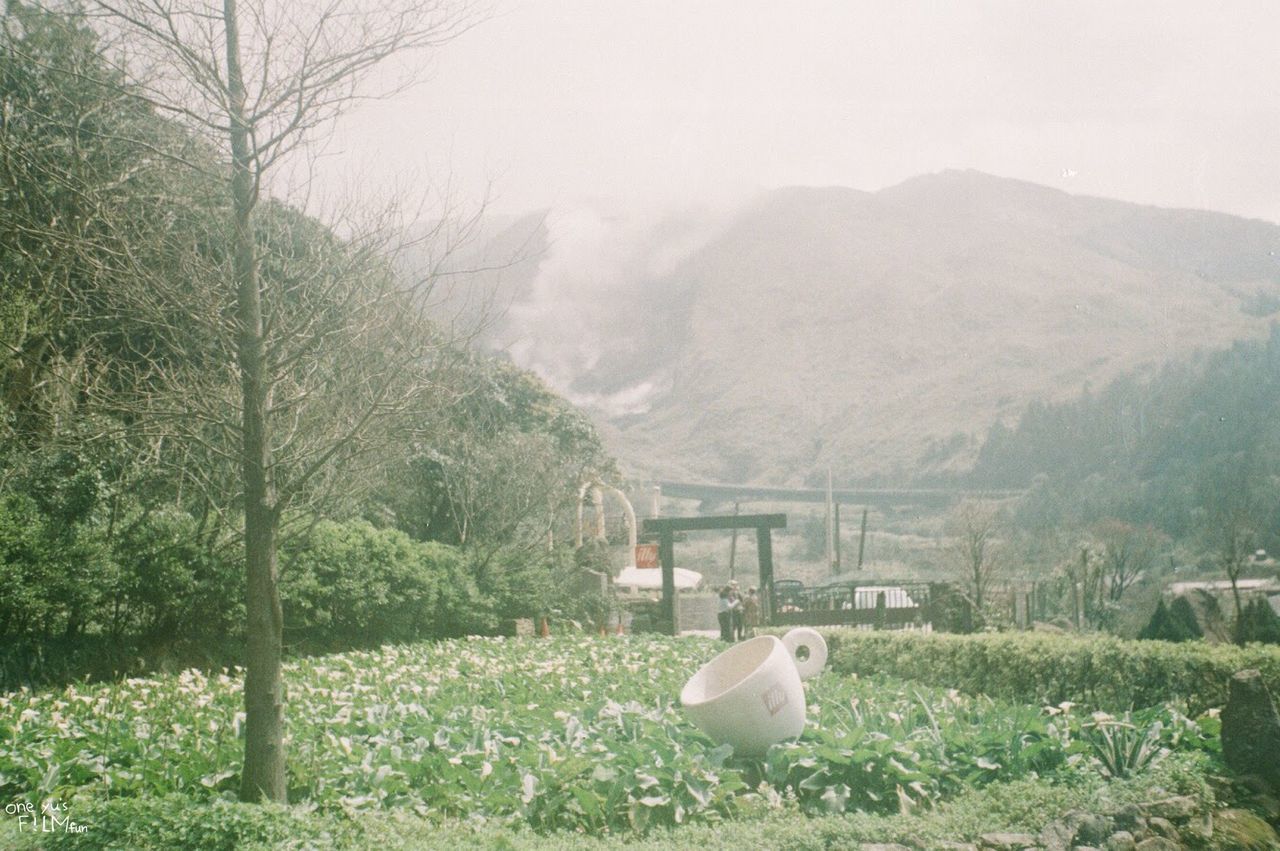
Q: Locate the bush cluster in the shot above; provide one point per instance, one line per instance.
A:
(1257, 622)
(100, 596)
(1097, 671)
(353, 585)
(1176, 622)
(108, 594)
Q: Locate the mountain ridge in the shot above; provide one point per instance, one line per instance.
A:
(816, 327)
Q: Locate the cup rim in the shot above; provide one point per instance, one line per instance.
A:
(739, 648)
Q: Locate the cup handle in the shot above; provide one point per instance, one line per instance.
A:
(815, 645)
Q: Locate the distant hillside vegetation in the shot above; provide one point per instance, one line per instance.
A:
(1197, 439)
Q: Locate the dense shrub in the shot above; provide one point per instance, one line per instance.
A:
(1172, 623)
(168, 586)
(1098, 671)
(524, 584)
(1257, 622)
(1184, 617)
(354, 585)
(143, 589)
(103, 595)
(50, 572)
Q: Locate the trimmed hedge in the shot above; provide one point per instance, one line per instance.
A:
(1100, 672)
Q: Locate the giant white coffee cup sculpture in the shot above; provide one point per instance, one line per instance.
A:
(751, 695)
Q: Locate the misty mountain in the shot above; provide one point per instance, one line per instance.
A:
(880, 334)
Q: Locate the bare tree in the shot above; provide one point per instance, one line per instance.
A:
(1230, 516)
(972, 528)
(1234, 540)
(259, 80)
(1127, 552)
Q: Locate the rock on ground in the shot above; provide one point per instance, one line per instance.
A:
(1251, 729)
(1121, 840)
(1004, 841)
(1243, 831)
(1158, 843)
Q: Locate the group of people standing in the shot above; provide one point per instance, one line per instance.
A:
(739, 616)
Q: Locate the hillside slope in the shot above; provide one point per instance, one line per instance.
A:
(877, 333)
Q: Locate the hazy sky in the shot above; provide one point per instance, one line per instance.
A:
(552, 101)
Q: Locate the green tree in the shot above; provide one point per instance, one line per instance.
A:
(1257, 622)
(1184, 617)
(503, 468)
(1172, 623)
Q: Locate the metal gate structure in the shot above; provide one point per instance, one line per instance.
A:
(667, 527)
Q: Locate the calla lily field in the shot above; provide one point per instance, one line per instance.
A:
(575, 732)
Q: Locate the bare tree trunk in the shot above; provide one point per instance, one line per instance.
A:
(284, 80)
(1234, 559)
(1234, 575)
(263, 776)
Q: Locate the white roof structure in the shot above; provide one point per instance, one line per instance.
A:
(645, 579)
(1221, 586)
(865, 597)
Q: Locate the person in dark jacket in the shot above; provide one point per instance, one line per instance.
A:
(736, 597)
(750, 613)
(726, 606)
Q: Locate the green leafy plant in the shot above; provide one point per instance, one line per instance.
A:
(1120, 747)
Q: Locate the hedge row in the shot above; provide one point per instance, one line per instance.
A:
(1033, 667)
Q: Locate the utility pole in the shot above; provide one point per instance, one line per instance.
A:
(862, 537)
(831, 550)
(839, 564)
(733, 543)
(1077, 595)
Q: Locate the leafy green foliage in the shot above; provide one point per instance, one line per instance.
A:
(1040, 668)
(1123, 748)
(352, 585)
(104, 575)
(505, 464)
(1172, 623)
(882, 749)
(1258, 622)
(569, 733)
(175, 821)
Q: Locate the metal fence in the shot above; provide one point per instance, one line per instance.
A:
(880, 605)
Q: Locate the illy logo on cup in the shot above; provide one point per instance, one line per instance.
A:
(774, 698)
